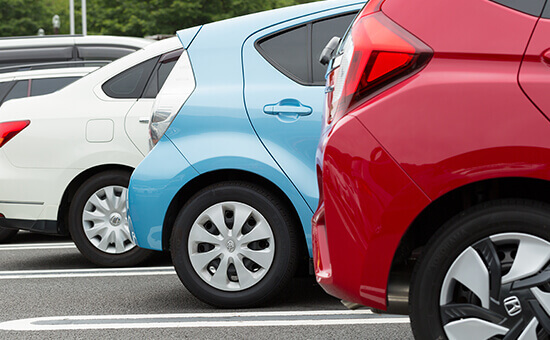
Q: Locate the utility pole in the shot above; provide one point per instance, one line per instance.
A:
(84, 23)
(71, 15)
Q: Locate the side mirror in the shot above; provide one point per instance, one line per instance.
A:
(326, 55)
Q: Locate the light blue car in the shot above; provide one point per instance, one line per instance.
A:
(230, 186)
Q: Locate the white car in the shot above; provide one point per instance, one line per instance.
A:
(32, 83)
(63, 48)
(66, 157)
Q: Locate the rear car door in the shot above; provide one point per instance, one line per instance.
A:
(283, 92)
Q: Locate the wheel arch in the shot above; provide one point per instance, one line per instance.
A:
(217, 176)
(73, 186)
(442, 209)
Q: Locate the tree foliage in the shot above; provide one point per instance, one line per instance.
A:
(126, 17)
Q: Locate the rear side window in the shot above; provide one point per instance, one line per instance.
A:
(4, 89)
(130, 83)
(49, 85)
(533, 7)
(160, 74)
(103, 52)
(19, 90)
(295, 52)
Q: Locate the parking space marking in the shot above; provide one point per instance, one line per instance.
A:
(36, 246)
(196, 320)
(100, 272)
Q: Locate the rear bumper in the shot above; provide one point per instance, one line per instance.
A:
(368, 204)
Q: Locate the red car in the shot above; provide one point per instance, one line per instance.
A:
(434, 167)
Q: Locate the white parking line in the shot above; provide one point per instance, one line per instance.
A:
(100, 272)
(35, 246)
(195, 320)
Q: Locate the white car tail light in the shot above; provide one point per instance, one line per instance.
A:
(174, 93)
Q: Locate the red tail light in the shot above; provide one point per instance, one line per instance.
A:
(376, 54)
(8, 130)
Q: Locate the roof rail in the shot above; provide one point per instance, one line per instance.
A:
(58, 64)
(41, 36)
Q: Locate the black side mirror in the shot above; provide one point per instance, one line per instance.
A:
(326, 55)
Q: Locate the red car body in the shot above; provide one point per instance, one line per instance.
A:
(468, 124)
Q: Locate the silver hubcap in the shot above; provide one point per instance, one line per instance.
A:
(500, 286)
(104, 220)
(231, 246)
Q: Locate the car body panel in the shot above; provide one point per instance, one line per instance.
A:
(212, 130)
(461, 120)
(290, 138)
(48, 155)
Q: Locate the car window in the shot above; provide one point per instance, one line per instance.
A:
(19, 90)
(130, 83)
(20, 56)
(49, 85)
(103, 52)
(322, 32)
(159, 76)
(287, 51)
(295, 52)
(4, 89)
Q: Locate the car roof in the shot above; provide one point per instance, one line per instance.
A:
(47, 73)
(45, 41)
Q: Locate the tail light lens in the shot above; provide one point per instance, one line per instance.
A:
(8, 130)
(174, 93)
(376, 54)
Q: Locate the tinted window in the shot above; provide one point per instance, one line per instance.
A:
(296, 52)
(4, 89)
(288, 52)
(49, 85)
(533, 7)
(130, 83)
(102, 52)
(20, 90)
(22, 56)
(322, 32)
(158, 78)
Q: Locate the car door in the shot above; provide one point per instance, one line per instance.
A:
(534, 75)
(283, 90)
(136, 122)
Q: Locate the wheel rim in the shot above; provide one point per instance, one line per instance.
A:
(499, 286)
(231, 246)
(105, 222)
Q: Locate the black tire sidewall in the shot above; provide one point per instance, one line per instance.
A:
(6, 234)
(76, 229)
(505, 216)
(284, 262)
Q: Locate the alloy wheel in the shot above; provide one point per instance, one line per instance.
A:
(498, 287)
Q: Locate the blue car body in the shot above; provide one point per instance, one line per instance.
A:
(227, 127)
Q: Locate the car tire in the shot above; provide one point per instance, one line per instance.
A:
(98, 222)
(485, 274)
(254, 253)
(7, 234)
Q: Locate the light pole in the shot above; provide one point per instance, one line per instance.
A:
(71, 16)
(84, 23)
(56, 24)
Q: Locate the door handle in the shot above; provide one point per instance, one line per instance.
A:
(288, 107)
(144, 120)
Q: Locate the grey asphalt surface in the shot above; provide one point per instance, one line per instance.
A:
(144, 295)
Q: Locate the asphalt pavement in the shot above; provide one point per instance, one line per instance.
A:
(49, 291)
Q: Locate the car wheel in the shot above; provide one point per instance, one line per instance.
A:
(486, 275)
(7, 234)
(98, 223)
(234, 245)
